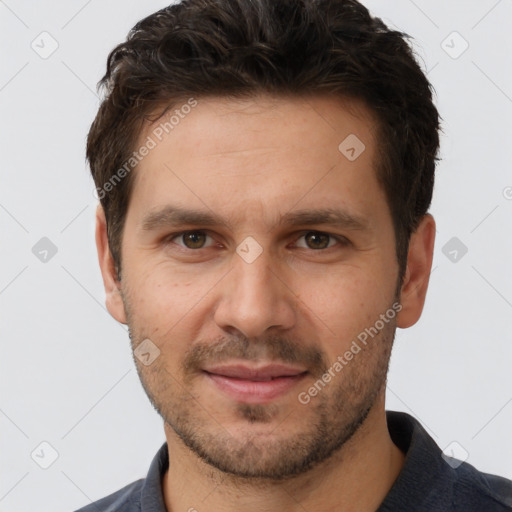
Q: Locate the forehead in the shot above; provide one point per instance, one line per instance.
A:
(216, 125)
(257, 153)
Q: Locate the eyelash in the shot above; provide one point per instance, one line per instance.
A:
(342, 241)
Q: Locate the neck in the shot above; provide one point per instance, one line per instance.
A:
(355, 479)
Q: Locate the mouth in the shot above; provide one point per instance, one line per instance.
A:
(255, 385)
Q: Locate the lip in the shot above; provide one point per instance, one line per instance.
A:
(254, 384)
(256, 373)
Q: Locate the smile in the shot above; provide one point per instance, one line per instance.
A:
(254, 385)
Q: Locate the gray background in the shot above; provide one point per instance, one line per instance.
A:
(67, 376)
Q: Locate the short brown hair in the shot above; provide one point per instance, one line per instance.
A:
(239, 48)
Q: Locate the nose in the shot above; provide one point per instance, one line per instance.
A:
(255, 298)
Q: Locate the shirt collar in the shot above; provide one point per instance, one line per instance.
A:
(152, 496)
(424, 468)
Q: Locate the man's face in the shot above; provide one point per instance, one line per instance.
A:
(250, 311)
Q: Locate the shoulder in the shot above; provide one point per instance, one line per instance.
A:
(432, 481)
(126, 499)
(474, 490)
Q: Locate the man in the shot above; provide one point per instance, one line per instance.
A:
(265, 170)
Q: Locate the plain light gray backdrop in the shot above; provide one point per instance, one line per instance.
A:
(67, 375)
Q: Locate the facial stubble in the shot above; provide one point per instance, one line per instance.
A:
(327, 422)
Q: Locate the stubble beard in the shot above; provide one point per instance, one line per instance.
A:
(321, 428)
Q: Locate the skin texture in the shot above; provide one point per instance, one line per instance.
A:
(302, 301)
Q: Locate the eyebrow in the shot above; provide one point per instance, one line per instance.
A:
(173, 216)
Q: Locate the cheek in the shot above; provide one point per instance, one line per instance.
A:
(342, 304)
(162, 299)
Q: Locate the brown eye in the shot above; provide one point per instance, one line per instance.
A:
(317, 240)
(191, 239)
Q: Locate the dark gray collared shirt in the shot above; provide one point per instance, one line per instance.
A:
(428, 482)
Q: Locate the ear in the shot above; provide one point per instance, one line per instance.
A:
(113, 301)
(417, 274)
